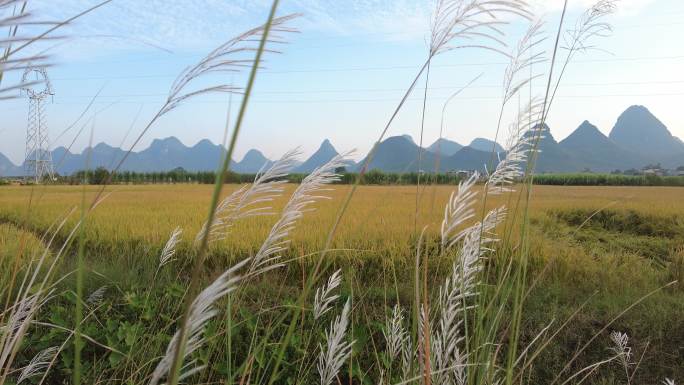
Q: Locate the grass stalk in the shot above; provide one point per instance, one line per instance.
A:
(218, 187)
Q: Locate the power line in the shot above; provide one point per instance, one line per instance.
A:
(378, 68)
(358, 100)
(362, 90)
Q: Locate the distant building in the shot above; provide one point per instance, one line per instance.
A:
(461, 174)
(653, 169)
(679, 171)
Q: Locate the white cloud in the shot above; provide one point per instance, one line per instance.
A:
(388, 19)
(624, 7)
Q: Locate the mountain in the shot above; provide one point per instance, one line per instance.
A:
(639, 131)
(469, 158)
(399, 154)
(252, 162)
(409, 138)
(444, 147)
(595, 151)
(485, 145)
(324, 153)
(554, 158)
(7, 168)
(637, 139)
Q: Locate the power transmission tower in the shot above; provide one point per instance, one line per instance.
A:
(38, 163)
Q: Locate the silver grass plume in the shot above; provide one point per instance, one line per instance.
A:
(621, 347)
(424, 324)
(395, 334)
(324, 297)
(95, 298)
(521, 58)
(336, 350)
(470, 19)
(10, 58)
(307, 193)
(449, 360)
(668, 381)
(202, 309)
(12, 17)
(266, 187)
(474, 246)
(407, 358)
(523, 133)
(458, 209)
(20, 317)
(231, 56)
(222, 60)
(169, 249)
(39, 364)
(589, 25)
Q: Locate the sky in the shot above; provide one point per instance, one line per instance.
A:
(339, 78)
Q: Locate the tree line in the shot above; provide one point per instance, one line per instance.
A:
(373, 177)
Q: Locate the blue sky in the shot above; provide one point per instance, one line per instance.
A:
(339, 78)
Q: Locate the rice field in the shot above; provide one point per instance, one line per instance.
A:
(378, 216)
(594, 250)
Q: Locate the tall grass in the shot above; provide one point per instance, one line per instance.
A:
(467, 330)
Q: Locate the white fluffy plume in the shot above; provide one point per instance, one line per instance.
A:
(241, 203)
(19, 317)
(522, 58)
(395, 334)
(226, 58)
(448, 358)
(523, 133)
(589, 25)
(469, 19)
(308, 192)
(621, 347)
(169, 249)
(458, 209)
(95, 298)
(324, 297)
(336, 350)
(202, 310)
(38, 364)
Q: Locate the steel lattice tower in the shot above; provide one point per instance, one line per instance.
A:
(38, 162)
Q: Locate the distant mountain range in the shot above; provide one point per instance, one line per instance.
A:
(637, 139)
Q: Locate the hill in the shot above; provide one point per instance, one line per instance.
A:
(325, 152)
(251, 163)
(639, 131)
(595, 151)
(444, 147)
(637, 139)
(552, 157)
(398, 154)
(486, 145)
(7, 168)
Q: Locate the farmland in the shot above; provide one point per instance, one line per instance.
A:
(595, 250)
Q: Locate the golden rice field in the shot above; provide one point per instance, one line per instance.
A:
(598, 248)
(378, 217)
